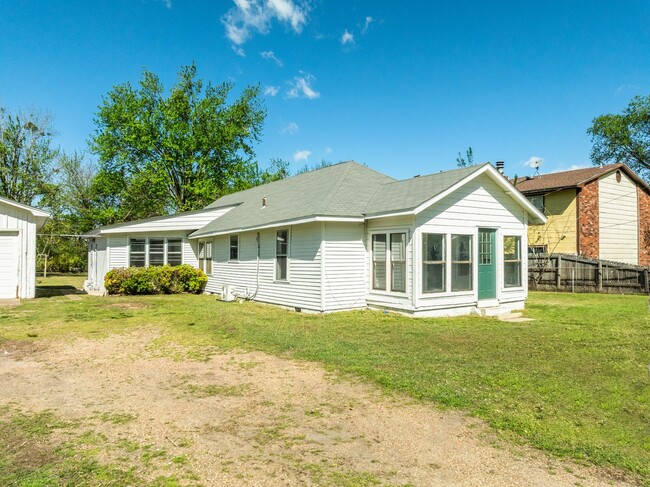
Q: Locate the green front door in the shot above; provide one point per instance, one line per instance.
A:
(487, 265)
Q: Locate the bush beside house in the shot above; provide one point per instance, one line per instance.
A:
(155, 280)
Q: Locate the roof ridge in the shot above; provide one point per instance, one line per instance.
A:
(342, 177)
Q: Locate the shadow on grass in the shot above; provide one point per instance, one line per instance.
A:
(51, 291)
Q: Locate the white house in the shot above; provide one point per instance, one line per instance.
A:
(347, 237)
(18, 226)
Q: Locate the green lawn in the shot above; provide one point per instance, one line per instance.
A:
(573, 383)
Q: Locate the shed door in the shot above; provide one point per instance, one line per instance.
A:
(487, 265)
(9, 265)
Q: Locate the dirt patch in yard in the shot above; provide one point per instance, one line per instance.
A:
(254, 419)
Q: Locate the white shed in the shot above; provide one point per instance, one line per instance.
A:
(18, 226)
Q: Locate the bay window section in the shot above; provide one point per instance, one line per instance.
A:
(461, 262)
(512, 261)
(138, 252)
(379, 261)
(433, 262)
(398, 262)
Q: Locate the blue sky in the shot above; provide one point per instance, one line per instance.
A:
(399, 86)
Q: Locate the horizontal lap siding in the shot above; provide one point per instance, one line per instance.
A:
(303, 289)
(618, 219)
(480, 203)
(119, 252)
(22, 220)
(344, 276)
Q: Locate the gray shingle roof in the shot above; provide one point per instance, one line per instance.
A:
(411, 193)
(341, 190)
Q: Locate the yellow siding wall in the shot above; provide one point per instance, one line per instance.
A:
(559, 232)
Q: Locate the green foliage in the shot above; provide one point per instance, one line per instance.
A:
(155, 280)
(466, 161)
(624, 137)
(307, 167)
(178, 152)
(26, 156)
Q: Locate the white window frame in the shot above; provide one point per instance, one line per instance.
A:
(444, 263)
(146, 249)
(389, 262)
(208, 260)
(230, 247)
(473, 254)
(288, 256)
(521, 262)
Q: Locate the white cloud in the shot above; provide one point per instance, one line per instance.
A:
(167, 3)
(291, 129)
(301, 87)
(627, 88)
(572, 167)
(271, 90)
(250, 16)
(328, 150)
(366, 25)
(271, 55)
(301, 155)
(347, 38)
(531, 161)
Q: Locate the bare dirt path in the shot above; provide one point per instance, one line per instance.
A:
(256, 419)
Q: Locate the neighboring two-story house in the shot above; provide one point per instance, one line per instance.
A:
(600, 212)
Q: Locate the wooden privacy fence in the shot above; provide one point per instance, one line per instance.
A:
(574, 273)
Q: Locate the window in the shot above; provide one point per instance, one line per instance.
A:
(174, 251)
(512, 261)
(138, 252)
(398, 262)
(379, 261)
(208, 258)
(281, 254)
(156, 251)
(389, 248)
(461, 262)
(537, 249)
(234, 247)
(538, 202)
(433, 262)
(205, 256)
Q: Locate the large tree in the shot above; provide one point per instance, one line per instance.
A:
(179, 151)
(26, 156)
(624, 137)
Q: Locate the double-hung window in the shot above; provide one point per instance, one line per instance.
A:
(205, 256)
(461, 262)
(234, 247)
(389, 261)
(155, 251)
(138, 252)
(174, 251)
(512, 261)
(281, 255)
(433, 262)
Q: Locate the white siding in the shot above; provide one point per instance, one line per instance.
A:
(345, 283)
(119, 253)
(12, 218)
(618, 219)
(478, 204)
(303, 287)
(191, 252)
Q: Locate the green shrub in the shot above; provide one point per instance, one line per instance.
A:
(155, 280)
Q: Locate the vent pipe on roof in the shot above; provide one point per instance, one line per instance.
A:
(500, 165)
(264, 202)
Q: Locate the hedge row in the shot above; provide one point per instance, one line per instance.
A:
(155, 280)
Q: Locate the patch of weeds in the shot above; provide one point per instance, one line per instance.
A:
(180, 460)
(314, 413)
(248, 364)
(117, 418)
(128, 445)
(150, 453)
(217, 390)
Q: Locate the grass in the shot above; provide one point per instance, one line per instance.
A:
(573, 383)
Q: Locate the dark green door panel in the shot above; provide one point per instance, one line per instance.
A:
(487, 265)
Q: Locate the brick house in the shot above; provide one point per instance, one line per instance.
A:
(600, 212)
